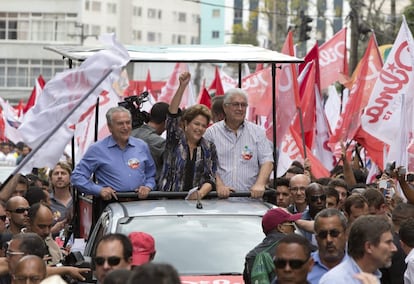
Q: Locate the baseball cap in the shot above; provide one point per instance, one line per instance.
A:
(143, 246)
(159, 112)
(277, 216)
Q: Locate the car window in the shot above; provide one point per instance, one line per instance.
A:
(101, 228)
(199, 245)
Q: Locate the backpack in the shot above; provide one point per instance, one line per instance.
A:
(263, 267)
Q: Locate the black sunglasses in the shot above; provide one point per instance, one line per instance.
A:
(3, 217)
(333, 233)
(20, 210)
(281, 263)
(112, 260)
(315, 198)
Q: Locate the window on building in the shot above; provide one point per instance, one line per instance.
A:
(95, 30)
(160, 14)
(110, 29)
(182, 17)
(111, 7)
(194, 40)
(151, 36)
(215, 34)
(181, 39)
(136, 35)
(96, 6)
(137, 11)
(152, 13)
(216, 13)
(87, 5)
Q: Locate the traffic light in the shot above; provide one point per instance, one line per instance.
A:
(305, 27)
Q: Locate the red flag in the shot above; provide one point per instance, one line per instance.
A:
(19, 108)
(308, 105)
(148, 85)
(217, 85)
(205, 98)
(350, 120)
(318, 170)
(332, 59)
(313, 55)
(37, 90)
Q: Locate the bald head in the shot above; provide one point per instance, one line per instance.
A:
(30, 267)
(300, 179)
(16, 201)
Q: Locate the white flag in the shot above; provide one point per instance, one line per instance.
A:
(381, 117)
(11, 122)
(61, 94)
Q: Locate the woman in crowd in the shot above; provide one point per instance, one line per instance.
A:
(190, 161)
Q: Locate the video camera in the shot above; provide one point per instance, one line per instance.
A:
(134, 104)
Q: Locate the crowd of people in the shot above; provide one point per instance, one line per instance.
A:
(336, 229)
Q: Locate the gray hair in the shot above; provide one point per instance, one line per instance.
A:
(113, 110)
(234, 92)
(331, 212)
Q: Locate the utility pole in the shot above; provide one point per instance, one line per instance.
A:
(354, 17)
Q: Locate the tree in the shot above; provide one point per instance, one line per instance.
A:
(409, 15)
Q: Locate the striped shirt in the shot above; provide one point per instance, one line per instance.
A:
(240, 155)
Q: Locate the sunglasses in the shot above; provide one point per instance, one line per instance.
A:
(10, 253)
(315, 198)
(3, 217)
(333, 233)
(281, 263)
(20, 210)
(112, 260)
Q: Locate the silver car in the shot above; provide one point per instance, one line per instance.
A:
(212, 240)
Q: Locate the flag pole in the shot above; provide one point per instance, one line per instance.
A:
(275, 155)
(56, 128)
(302, 130)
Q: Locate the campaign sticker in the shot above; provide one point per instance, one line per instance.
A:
(247, 154)
(133, 163)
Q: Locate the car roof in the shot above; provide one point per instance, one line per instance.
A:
(237, 206)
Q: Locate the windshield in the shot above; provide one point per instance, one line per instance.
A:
(199, 245)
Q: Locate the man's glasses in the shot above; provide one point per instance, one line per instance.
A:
(20, 210)
(315, 198)
(23, 279)
(333, 233)
(10, 253)
(281, 263)
(112, 260)
(237, 105)
(3, 217)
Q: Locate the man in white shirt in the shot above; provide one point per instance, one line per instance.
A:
(407, 244)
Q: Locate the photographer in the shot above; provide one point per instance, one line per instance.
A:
(150, 132)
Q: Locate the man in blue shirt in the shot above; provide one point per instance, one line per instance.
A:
(370, 247)
(330, 231)
(120, 162)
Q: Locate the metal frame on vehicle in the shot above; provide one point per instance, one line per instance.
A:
(231, 53)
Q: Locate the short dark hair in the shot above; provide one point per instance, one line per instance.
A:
(368, 228)
(406, 232)
(124, 240)
(159, 112)
(35, 194)
(154, 273)
(356, 200)
(296, 239)
(31, 243)
(331, 192)
(401, 212)
(282, 182)
(330, 212)
(338, 182)
(117, 276)
(374, 197)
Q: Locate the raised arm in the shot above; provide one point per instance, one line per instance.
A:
(184, 78)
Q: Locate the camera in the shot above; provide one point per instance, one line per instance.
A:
(134, 104)
(389, 168)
